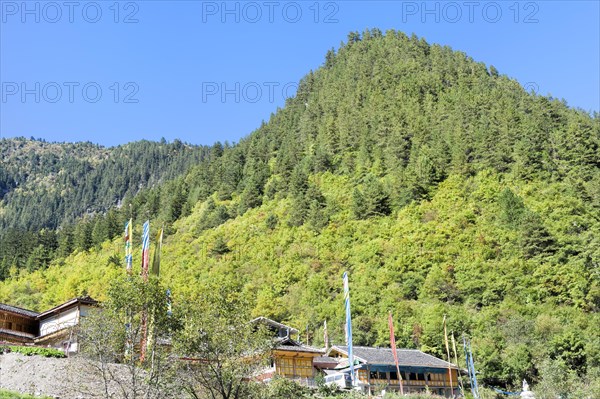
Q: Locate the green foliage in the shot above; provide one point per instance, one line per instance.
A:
(271, 221)
(4, 394)
(130, 329)
(558, 380)
(512, 207)
(219, 247)
(214, 215)
(31, 350)
(220, 346)
(284, 388)
(59, 182)
(535, 238)
(569, 348)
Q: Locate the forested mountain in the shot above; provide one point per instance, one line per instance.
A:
(442, 186)
(43, 185)
(48, 186)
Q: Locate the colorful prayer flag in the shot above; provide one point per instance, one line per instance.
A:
(395, 351)
(156, 258)
(145, 249)
(128, 250)
(169, 305)
(348, 326)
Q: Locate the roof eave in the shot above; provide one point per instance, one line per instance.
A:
(66, 305)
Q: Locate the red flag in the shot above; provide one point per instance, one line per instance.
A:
(394, 351)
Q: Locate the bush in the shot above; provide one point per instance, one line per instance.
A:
(34, 350)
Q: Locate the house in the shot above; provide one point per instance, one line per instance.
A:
(51, 328)
(376, 370)
(289, 358)
(17, 325)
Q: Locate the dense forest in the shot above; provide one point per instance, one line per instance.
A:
(46, 187)
(442, 186)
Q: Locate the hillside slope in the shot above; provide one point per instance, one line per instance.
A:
(44, 185)
(58, 197)
(440, 185)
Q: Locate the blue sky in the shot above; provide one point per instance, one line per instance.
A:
(112, 72)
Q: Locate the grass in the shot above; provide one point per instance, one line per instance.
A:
(15, 395)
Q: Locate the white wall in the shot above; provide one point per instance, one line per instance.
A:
(68, 318)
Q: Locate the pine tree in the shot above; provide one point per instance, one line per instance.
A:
(219, 247)
(535, 238)
(377, 200)
(512, 207)
(359, 205)
(82, 239)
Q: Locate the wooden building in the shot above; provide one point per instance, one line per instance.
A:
(376, 370)
(289, 358)
(17, 325)
(51, 328)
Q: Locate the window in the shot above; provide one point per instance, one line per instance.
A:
(285, 366)
(373, 375)
(420, 377)
(412, 376)
(304, 367)
(393, 375)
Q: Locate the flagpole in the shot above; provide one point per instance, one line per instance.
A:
(145, 261)
(128, 246)
(325, 336)
(349, 327)
(460, 383)
(449, 359)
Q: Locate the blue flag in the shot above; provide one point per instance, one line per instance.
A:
(145, 249)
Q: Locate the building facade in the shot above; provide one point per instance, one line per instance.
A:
(52, 328)
(289, 358)
(375, 370)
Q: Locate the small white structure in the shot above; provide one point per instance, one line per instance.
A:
(526, 393)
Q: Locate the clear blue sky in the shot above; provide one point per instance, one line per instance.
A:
(174, 58)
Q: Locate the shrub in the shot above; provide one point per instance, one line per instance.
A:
(34, 350)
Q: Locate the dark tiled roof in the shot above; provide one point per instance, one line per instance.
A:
(325, 362)
(384, 356)
(17, 310)
(288, 344)
(274, 324)
(15, 333)
(326, 359)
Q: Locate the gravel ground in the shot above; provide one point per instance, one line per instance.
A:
(71, 378)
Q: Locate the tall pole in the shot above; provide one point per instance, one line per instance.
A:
(145, 262)
(470, 368)
(449, 359)
(349, 327)
(460, 384)
(325, 336)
